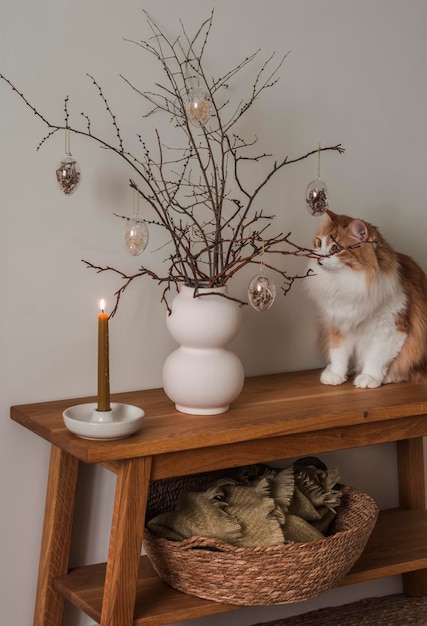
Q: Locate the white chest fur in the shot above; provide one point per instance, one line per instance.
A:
(364, 314)
(346, 300)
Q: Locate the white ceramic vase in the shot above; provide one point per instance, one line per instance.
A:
(202, 377)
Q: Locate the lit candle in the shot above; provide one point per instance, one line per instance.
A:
(103, 361)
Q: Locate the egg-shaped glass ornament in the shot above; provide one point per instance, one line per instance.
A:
(199, 107)
(316, 198)
(261, 292)
(68, 175)
(136, 236)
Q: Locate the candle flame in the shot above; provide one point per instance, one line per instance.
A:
(102, 305)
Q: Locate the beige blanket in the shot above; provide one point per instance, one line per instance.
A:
(265, 507)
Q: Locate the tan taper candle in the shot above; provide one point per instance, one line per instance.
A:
(103, 361)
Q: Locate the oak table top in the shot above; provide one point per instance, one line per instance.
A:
(269, 406)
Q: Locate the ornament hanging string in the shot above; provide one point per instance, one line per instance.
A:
(67, 141)
(198, 75)
(262, 265)
(135, 204)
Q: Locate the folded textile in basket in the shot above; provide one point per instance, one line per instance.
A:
(260, 507)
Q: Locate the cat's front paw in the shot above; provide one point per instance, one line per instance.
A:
(365, 381)
(328, 377)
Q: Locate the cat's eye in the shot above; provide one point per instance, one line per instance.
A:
(318, 242)
(336, 248)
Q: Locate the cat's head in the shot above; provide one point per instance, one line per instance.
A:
(344, 242)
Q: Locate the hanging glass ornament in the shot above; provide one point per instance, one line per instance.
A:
(199, 108)
(261, 292)
(262, 289)
(136, 236)
(68, 171)
(316, 197)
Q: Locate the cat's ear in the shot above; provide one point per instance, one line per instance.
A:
(359, 230)
(329, 216)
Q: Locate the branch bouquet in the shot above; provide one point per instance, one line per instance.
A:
(198, 190)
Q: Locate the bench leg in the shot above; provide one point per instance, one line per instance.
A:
(127, 530)
(56, 538)
(410, 463)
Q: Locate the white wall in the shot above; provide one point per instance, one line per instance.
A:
(356, 75)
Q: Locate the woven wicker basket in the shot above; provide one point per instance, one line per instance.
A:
(278, 574)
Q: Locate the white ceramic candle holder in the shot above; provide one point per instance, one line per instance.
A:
(87, 422)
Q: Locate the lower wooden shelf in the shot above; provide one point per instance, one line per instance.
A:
(397, 545)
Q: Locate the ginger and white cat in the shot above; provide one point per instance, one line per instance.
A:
(372, 305)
